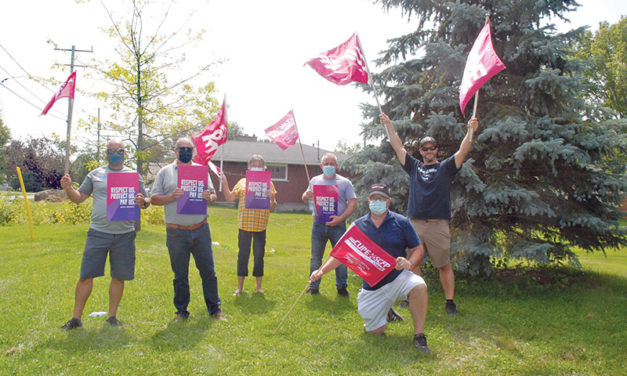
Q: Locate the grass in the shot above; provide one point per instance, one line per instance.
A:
(506, 326)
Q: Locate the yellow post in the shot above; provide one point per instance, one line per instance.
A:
(30, 217)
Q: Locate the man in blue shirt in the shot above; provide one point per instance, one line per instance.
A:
(429, 207)
(395, 234)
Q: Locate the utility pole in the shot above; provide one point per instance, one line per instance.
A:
(70, 105)
(98, 139)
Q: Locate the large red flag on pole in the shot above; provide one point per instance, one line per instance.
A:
(212, 136)
(284, 133)
(342, 64)
(482, 64)
(65, 91)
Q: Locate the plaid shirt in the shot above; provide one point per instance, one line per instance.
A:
(253, 220)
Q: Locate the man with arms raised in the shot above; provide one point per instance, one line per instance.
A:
(429, 207)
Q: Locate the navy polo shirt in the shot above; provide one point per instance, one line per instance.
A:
(430, 188)
(395, 235)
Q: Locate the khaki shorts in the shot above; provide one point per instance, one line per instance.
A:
(435, 235)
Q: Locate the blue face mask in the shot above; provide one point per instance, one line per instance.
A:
(328, 170)
(115, 157)
(377, 207)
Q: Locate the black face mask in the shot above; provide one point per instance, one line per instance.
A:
(185, 154)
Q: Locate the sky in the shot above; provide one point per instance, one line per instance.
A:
(263, 46)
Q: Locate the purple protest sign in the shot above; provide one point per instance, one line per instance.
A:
(257, 183)
(122, 187)
(325, 201)
(193, 180)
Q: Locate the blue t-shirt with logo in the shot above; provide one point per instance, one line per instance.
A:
(430, 188)
(394, 235)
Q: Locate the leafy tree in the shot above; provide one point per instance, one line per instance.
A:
(536, 182)
(41, 161)
(5, 136)
(147, 108)
(606, 51)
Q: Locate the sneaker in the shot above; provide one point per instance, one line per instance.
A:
(394, 316)
(312, 291)
(113, 321)
(220, 316)
(179, 318)
(451, 308)
(72, 324)
(404, 303)
(420, 341)
(343, 292)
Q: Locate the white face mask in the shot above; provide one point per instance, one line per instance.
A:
(256, 169)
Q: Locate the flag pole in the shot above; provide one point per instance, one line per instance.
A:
(302, 153)
(226, 119)
(474, 111)
(292, 308)
(374, 90)
(69, 131)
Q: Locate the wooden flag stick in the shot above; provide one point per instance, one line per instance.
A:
(302, 153)
(374, 90)
(292, 308)
(474, 111)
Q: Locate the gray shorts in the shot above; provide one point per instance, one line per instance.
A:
(121, 249)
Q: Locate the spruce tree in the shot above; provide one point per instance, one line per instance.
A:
(541, 177)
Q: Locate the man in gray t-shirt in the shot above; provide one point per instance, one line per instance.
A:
(113, 238)
(187, 235)
(333, 229)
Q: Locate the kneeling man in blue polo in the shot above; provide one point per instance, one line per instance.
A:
(394, 233)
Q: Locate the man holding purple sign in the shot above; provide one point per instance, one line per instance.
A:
(337, 200)
(115, 238)
(252, 218)
(187, 234)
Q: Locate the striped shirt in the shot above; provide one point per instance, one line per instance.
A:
(253, 220)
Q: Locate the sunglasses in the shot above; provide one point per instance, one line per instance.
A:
(185, 148)
(115, 151)
(428, 148)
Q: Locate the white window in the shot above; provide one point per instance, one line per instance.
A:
(279, 172)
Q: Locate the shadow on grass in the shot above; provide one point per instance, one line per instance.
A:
(334, 305)
(105, 338)
(253, 303)
(183, 335)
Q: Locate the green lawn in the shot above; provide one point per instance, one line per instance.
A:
(575, 327)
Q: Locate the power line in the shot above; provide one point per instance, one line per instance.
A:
(27, 101)
(16, 62)
(19, 83)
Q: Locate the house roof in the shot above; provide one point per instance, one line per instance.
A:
(240, 151)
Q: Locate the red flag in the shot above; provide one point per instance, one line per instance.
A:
(65, 91)
(284, 133)
(363, 256)
(482, 64)
(214, 135)
(343, 64)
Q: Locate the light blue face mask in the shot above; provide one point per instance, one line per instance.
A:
(377, 206)
(256, 169)
(328, 170)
